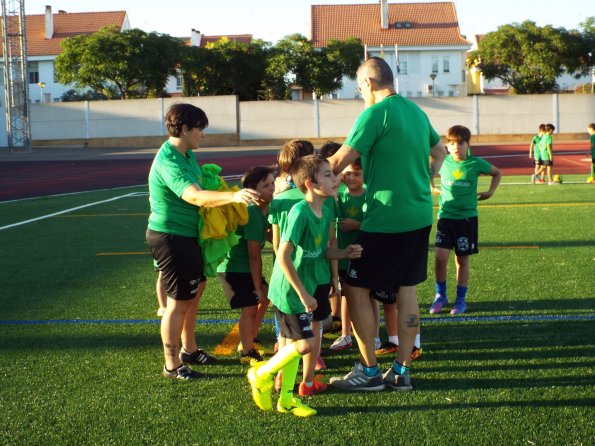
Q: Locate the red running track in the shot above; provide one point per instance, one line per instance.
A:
(24, 179)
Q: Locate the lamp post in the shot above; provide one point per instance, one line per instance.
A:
(41, 86)
(433, 76)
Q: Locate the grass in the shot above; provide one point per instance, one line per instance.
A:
(482, 381)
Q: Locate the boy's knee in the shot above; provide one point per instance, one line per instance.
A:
(304, 346)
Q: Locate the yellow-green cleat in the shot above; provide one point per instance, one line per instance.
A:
(296, 407)
(261, 388)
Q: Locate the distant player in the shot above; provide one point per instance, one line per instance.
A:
(591, 130)
(535, 154)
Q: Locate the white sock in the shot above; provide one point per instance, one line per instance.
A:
(417, 341)
(393, 340)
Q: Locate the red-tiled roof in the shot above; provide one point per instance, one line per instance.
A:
(66, 25)
(242, 38)
(431, 24)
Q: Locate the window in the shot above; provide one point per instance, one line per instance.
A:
(1, 75)
(419, 94)
(408, 94)
(402, 65)
(434, 64)
(451, 93)
(178, 82)
(446, 64)
(33, 72)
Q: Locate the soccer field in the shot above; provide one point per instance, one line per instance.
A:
(81, 355)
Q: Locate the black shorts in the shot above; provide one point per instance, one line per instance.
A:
(239, 289)
(460, 235)
(294, 326)
(323, 307)
(538, 162)
(547, 163)
(383, 296)
(390, 261)
(180, 262)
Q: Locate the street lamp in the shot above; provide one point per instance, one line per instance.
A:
(41, 86)
(433, 76)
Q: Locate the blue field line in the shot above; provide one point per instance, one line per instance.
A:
(427, 320)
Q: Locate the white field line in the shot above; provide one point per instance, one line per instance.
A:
(43, 217)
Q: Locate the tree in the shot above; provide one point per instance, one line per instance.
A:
(135, 63)
(530, 58)
(296, 61)
(225, 67)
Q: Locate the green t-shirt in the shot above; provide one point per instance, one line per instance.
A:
(536, 148)
(348, 206)
(394, 138)
(310, 236)
(592, 139)
(458, 198)
(238, 260)
(545, 140)
(170, 175)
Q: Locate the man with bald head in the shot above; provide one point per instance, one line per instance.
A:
(400, 152)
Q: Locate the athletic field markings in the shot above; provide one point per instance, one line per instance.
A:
(426, 320)
(228, 345)
(65, 211)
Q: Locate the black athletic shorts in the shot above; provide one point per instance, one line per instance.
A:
(390, 261)
(548, 163)
(294, 326)
(180, 262)
(460, 235)
(239, 289)
(538, 162)
(323, 307)
(383, 296)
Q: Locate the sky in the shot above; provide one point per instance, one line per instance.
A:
(271, 20)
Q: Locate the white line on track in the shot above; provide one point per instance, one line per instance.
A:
(65, 211)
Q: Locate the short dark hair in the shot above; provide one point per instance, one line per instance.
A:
(256, 174)
(291, 151)
(182, 114)
(549, 127)
(306, 168)
(329, 149)
(357, 163)
(542, 127)
(591, 126)
(379, 70)
(458, 133)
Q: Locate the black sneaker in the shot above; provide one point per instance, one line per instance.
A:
(199, 357)
(358, 381)
(184, 373)
(251, 357)
(398, 382)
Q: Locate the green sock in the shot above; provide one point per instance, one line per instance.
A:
(283, 357)
(289, 373)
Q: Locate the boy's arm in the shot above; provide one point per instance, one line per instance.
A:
(349, 224)
(284, 259)
(531, 149)
(351, 252)
(255, 261)
(334, 263)
(437, 155)
(496, 177)
(549, 150)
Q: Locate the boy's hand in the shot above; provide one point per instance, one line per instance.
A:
(484, 195)
(349, 224)
(246, 196)
(353, 251)
(335, 287)
(309, 302)
(260, 294)
(436, 190)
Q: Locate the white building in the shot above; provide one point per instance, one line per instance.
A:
(420, 41)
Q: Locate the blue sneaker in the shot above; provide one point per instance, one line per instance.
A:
(439, 303)
(459, 307)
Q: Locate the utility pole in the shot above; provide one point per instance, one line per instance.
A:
(16, 86)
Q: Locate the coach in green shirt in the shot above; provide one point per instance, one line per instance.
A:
(400, 152)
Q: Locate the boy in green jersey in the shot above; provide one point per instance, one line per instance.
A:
(457, 226)
(302, 257)
(535, 154)
(546, 148)
(240, 272)
(591, 130)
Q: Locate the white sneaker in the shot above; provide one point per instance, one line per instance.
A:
(341, 343)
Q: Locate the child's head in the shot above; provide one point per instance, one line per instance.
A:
(313, 172)
(262, 180)
(541, 128)
(591, 128)
(329, 149)
(549, 128)
(180, 115)
(353, 176)
(292, 151)
(458, 139)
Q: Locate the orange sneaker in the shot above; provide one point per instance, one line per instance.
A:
(316, 387)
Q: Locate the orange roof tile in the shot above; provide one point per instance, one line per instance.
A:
(432, 24)
(66, 25)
